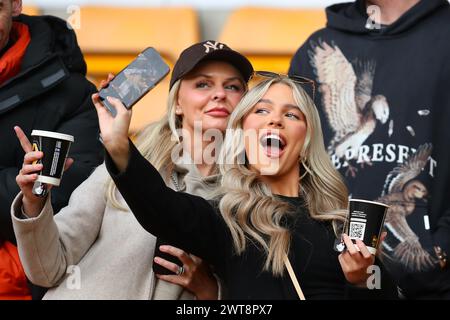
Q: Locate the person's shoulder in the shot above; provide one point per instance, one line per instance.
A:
(52, 21)
(437, 31)
(319, 34)
(43, 23)
(56, 37)
(30, 21)
(436, 23)
(316, 37)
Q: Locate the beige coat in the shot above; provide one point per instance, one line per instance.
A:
(90, 250)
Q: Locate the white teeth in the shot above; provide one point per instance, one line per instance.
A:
(272, 136)
(265, 140)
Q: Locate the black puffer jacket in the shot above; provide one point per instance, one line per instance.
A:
(49, 93)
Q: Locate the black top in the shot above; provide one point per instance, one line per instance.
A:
(192, 223)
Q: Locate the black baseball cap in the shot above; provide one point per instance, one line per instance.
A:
(209, 50)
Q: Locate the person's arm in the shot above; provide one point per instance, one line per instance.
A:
(49, 244)
(186, 221)
(439, 162)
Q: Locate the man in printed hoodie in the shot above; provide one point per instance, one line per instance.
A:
(382, 72)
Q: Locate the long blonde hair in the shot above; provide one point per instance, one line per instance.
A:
(155, 142)
(248, 206)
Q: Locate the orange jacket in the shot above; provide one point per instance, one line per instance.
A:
(13, 282)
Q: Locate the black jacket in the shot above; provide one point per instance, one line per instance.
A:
(49, 93)
(382, 94)
(191, 223)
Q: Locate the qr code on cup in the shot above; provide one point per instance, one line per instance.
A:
(357, 230)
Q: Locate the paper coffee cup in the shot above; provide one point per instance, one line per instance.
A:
(365, 222)
(55, 147)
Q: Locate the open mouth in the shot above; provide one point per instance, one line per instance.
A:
(273, 145)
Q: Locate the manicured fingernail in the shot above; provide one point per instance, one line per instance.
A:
(163, 247)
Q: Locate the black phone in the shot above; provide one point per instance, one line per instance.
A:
(159, 269)
(135, 80)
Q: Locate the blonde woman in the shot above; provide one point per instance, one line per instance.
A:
(94, 248)
(280, 197)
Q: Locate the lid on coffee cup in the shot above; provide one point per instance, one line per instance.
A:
(373, 202)
(50, 134)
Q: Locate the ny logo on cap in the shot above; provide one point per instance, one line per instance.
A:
(214, 46)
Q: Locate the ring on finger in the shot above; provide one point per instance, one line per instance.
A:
(180, 270)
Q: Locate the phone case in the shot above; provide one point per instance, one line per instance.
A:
(136, 79)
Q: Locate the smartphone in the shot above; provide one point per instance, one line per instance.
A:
(159, 269)
(135, 80)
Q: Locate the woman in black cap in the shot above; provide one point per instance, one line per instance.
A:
(96, 239)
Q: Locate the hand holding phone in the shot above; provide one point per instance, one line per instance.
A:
(135, 80)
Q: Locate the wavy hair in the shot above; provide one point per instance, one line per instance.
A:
(248, 206)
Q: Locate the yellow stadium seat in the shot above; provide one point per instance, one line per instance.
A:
(269, 37)
(31, 10)
(111, 37)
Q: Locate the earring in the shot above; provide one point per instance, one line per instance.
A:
(178, 111)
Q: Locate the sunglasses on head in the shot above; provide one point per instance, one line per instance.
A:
(298, 79)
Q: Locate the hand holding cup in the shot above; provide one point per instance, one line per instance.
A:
(361, 238)
(28, 174)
